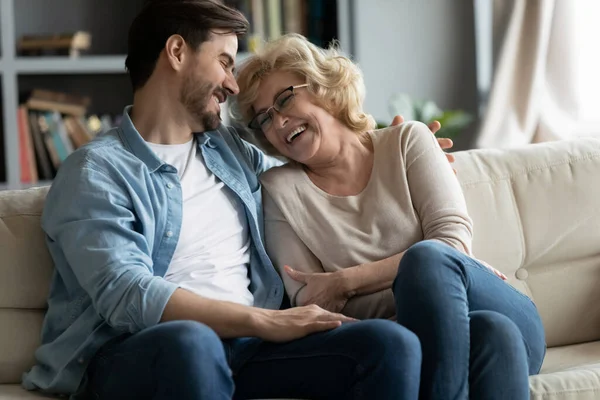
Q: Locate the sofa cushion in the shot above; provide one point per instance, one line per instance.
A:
(19, 337)
(536, 215)
(25, 263)
(26, 269)
(569, 373)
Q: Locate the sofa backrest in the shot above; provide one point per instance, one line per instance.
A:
(535, 212)
(25, 272)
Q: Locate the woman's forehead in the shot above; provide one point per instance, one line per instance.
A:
(275, 83)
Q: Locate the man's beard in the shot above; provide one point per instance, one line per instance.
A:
(195, 95)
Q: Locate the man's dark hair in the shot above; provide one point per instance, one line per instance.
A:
(194, 20)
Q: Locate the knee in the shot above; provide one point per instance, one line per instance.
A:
(189, 340)
(391, 343)
(423, 261)
(497, 333)
(425, 252)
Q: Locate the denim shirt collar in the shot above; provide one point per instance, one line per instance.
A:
(136, 143)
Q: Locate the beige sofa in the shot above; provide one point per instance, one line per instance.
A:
(537, 218)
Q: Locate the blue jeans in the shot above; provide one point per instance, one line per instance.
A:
(182, 360)
(480, 337)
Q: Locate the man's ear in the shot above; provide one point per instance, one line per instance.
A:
(175, 50)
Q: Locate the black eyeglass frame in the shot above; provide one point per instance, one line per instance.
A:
(253, 124)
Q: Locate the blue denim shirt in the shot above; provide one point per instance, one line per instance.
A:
(112, 220)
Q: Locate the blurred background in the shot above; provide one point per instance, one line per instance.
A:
(496, 73)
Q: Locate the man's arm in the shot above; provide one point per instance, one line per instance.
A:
(231, 320)
(260, 161)
(89, 221)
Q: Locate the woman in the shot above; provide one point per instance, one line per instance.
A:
(375, 225)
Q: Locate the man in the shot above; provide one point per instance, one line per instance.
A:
(162, 287)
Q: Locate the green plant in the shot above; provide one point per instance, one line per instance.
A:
(453, 121)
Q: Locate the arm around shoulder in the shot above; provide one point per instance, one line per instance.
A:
(89, 221)
(260, 161)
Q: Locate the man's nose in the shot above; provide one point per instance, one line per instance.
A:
(231, 85)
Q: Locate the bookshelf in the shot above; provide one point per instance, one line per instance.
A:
(99, 73)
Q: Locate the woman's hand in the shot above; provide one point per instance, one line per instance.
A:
(325, 289)
(494, 270)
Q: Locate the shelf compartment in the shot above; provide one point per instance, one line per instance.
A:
(66, 65)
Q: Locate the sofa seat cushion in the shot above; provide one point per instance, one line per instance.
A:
(569, 373)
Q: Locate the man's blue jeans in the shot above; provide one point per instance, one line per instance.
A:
(375, 359)
(480, 337)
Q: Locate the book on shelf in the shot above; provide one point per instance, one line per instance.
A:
(50, 132)
(65, 103)
(26, 150)
(269, 19)
(71, 43)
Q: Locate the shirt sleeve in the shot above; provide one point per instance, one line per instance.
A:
(286, 248)
(436, 194)
(89, 223)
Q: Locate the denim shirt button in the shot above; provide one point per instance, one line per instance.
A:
(169, 234)
(169, 185)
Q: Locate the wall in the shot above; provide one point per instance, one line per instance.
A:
(425, 48)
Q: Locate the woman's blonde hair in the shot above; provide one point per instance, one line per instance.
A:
(334, 80)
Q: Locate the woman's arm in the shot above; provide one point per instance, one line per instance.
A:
(436, 197)
(370, 277)
(435, 191)
(285, 248)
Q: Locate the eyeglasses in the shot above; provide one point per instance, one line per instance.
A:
(283, 102)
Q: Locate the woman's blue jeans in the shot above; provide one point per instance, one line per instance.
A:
(480, 337)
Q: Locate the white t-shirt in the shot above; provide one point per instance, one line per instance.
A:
(213, 252)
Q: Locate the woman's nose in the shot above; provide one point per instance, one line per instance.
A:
(279, 120)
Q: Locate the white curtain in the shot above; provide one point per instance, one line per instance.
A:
(546, 79)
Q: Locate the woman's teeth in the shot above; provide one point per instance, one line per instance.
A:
(295, 133)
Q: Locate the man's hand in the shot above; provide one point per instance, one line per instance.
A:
(325, 289)
(232, 320)
(295, 323)
(435, 126)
